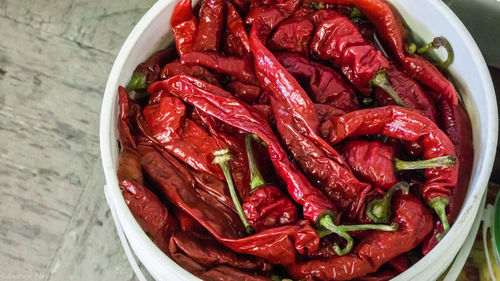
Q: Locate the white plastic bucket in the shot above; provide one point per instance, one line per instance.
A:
(428, 18)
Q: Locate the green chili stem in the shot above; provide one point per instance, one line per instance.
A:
(439, 205)
(437, 43)
(137, 81)
(443, 161)
(380, 80)
(379, 210)
(222, 158)
(256, 178)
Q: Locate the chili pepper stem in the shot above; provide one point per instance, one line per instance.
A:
(443, 161)
(137, 81)
(222, 158)
(439, 205)
(437, 43)
(379, 210)
(256, 178)
(380, 80)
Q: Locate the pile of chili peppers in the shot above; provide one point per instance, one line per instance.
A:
(278, 141)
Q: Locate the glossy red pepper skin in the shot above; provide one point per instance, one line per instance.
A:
(390, 28)
(248, 93)
(221, 105)
(371, 161)
(197, 71)
(324, 112)
(210, 22)
(413, 95)
(235, 37)
(415, 222)
(323, 84)
(292, 35)
(223, 224)
(227, 273)
(399, 123)
(267, 207)
(457, 125)
(184, 26)
(170, 127)
(240, 68)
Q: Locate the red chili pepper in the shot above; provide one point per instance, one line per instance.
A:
(323, 84)
(390, 28)
(415, 222)
(399, 263)
(399, 123)
(184, 26)
(255, 11)
(292, 35)
(187, 223)
(227, 273)
(456, 124)
(240, 68)
(235, 38)
(384, 275)
(176, 68)
(248, 93)
(223, 224)
(266, 206)
(127, 109)
(325, 112)
(209, 25)
(170, 127)
(148, 71)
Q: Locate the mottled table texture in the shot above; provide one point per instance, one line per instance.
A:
(55, 56)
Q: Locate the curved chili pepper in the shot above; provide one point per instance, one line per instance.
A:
(457, 125)
(390, 28)
(325, 112)
(406, 125)
(292, 35)
(210, 23)
(323, 84)
(248, 93)
(235, 37)
(240, 68)
(184, 26)
(376, 249)
(148, 71)
(223, 225)
(227, 273)
(436, 43)
(177, 68)
(266, 206)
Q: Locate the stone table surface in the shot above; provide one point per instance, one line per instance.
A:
(55, 57)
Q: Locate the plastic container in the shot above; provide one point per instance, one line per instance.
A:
(428, 18)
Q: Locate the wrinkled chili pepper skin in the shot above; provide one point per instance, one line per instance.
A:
(227, 273)
(171, 128)
(457, 125)
(323, 84)
(209, 25)
(240, 68)
(150, 213)
(197, 71)
(151, 67)
(127, 109)
(277, 245)
(235, 38)
(338, 39)
(129, 166)
(248, 93)
(399, 123)
(390, 28)
(325, 112)
(292, 35)
(371, 161)
(267, 207)
(413, 95)
(221, 105)
(184, 26)
(415, 222)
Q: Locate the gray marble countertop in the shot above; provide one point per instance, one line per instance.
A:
(55, 57)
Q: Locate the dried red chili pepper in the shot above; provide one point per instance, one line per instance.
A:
(266, 206)
(277, 245)
(235, 37)
(323, 84)
(376, 249)
(457, 125)
(292, 35)
(406, 125)
(148, 71)
(248, 93)
(338, 39)
(177, 68)
(240, 68)
(325, 112)
(187, 223)
(184, 26)
(210, 22)
(390, 28)
(227, 273)
(383, 275)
